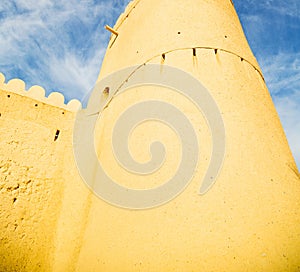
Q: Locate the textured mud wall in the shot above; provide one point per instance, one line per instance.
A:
(40, 223)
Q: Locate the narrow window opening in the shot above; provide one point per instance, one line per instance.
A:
(163, 56)
(216, 51)
(56, 135)
(194, 52)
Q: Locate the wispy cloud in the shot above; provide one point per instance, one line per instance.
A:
(273, 30)
(285, 8)
(282, 74)
(288, 109)
(56, 44)
(271, 26)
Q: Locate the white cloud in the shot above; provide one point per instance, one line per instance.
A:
(282, 74)
(73, 73)
(288, 109)
(56, 44)
(283, 8)
(272, 28)
(286, 8)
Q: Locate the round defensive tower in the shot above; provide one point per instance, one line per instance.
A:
(249, 219)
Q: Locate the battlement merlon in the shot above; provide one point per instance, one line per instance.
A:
(36, 92)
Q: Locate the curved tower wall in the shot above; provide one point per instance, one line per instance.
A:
(249, 220)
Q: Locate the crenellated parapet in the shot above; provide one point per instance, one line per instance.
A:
(38, 93)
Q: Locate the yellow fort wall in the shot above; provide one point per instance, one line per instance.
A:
(36, 174)
(248, 221)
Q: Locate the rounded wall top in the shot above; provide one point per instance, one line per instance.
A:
(38, 93)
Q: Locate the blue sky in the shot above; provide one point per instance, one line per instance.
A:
(60, 45)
